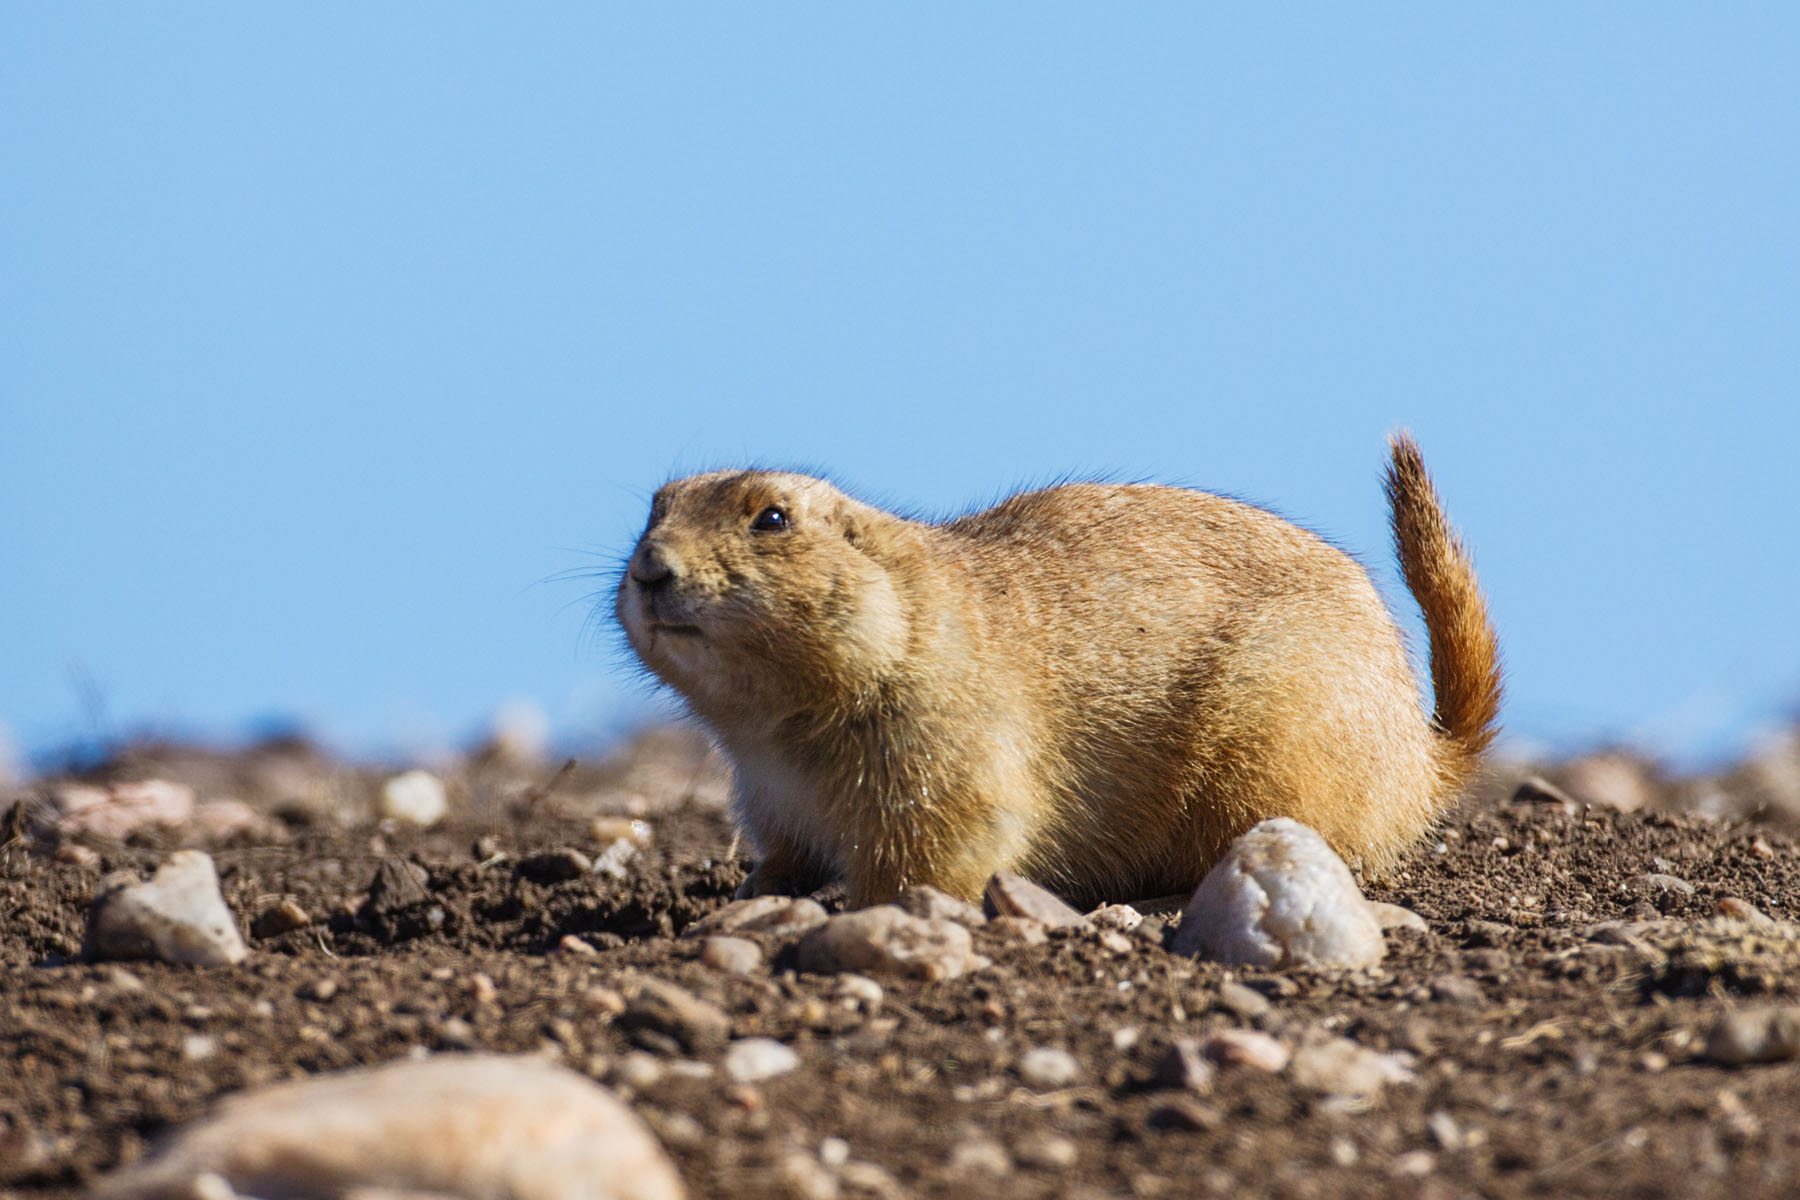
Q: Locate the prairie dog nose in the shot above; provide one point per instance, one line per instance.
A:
(649, 565)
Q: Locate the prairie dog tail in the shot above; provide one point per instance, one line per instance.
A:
(1465, 654)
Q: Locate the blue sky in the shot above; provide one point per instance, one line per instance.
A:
(331, 334)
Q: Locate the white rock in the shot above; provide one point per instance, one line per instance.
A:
(416, 797)
(453, 1126)
(1246, 1048)
(178, 916)
(1280, 897)
(615, 861)
(752, 1060)
(1048, 1068)
(888, 940)
(118, 811)
(1116, 916)
(1341, 1067)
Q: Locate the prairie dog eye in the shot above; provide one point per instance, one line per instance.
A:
(773, 519)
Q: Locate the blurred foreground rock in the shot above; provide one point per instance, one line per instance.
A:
(178, 916)
(481, 1127)
(118, 811)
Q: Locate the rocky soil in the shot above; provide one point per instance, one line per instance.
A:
(1582, 1012)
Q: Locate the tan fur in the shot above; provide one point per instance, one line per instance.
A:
(1098, 686)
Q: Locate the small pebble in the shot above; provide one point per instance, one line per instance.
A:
(1122, 917)
(922, 900)
(638, 1070)
(1340, 1067)
(1023, 930)
(1245, 1003)
(555, 866)
(1114, 942)
(124, 980)
(614, 861)
(802, 1177)
(888, 940)
(1246, 1048)
(697, 1026)
(415, 797)
(1660, 883)
(752, 1060)
(858, 989)
(980, 1156)
(1755, 1035)
(74, 854)
(1393, 916)
(1736, 909)
(1458, 989)
(869, 1177)
(284, 916)
(320, 990)
(834, 1151)
(608, 1002)
(1048, 1068)
(607, 830)
(1045, 1151)
(1182, 1068)
(782, 915)
(1010, 895)
(1186, 1115)
(733, 955)
(1414, 1164)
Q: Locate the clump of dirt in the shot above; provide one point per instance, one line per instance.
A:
(1551, 1018)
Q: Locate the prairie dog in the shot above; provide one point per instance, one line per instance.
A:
(1097, 686)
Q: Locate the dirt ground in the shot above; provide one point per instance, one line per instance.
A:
(1554, 1012)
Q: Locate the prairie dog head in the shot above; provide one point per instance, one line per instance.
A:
(755, 593)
